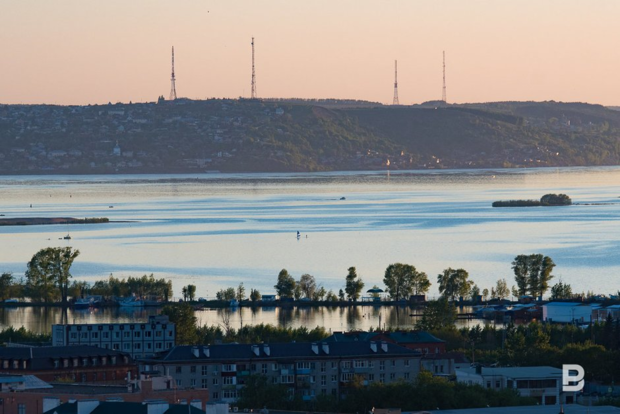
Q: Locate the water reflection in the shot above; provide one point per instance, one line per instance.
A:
(331, 318)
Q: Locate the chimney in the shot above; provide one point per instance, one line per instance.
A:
(266, 349)
(256, 350)
(206, 352)
(384, 346)
(86, 406)
(49, 403)
(315, 348)
(373, 346)
(196, 352)
(157, 407)
(325, 347)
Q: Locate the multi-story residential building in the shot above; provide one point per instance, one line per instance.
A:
(308, 369)
(87, 364)
(542, 383)
(139, 339)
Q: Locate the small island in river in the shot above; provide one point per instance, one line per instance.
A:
(546, 200)
(35, 221)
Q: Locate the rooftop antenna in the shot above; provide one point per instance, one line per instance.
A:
(443, 92)
(173, 88)
(253, 94)
(395, 101)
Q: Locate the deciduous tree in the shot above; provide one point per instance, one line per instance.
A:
(454, 283)
(285, 287)
(354, 285)
(403, 280)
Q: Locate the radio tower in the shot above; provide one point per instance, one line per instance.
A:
(395, 101)
(443, 92)
(173, 88)
(253, 74)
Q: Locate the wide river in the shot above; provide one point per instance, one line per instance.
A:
(218, 230)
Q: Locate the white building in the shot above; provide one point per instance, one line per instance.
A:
(140, 339)
(542, 383)
(567, 312)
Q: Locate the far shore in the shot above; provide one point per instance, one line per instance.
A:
(36, 221)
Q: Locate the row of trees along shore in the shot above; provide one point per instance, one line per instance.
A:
(48, 280)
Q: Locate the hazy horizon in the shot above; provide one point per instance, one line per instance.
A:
(77, 53)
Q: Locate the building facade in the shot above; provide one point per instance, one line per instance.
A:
(85, 364)
(567, 312)
(308, 369)
(542, 383)
(139, 339)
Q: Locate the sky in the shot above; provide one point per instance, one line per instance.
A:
(98, 51)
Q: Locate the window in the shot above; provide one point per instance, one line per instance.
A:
(274, 367)
(287, 379)
(334, 365)
(229, 368)
(137, 334)
(392, 376)
(393, 362)
(406, 375)
(323, 391)
(205, 383)
(158, 333)
(347, 376)
(382, 365)
(406, 362)
(179, 382)
(229, 380)
(334, 378)
(149, 345)
(95, 335)
(204, 370)
(106, 335)
(488, 384)
(229, 394)
(382, 378)
(126, 334)
(360, 364)
(192, 369)
(117, 335)
(147, 334)
(179, 369)
(158, 345)
(371, 377)
(84, 335)
(346, 364)
(21, 408)
(216, 395)
(215, 381)
(263, 368)
(73, 335)
(497, 383)
(137, 345)
(312, 379)
(303, 365)
(323, 366)
(323, 380)
(192, 382)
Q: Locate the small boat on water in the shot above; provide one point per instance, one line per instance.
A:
(131, 302)
(67, 237)
(87, 302)
(234, 303)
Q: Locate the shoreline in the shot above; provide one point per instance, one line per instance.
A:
(37, 221)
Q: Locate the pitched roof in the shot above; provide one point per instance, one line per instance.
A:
(43, 357)
(400, 337)
(120, 407)
(293, 350)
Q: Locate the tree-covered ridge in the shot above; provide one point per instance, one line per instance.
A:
(297, 135)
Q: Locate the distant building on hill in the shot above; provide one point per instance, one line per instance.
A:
(139, 339)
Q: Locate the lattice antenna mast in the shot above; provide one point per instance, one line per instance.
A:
(173, 87)
(443, 92)
(254, 96)
(395, 101)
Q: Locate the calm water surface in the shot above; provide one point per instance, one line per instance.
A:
(218, 230)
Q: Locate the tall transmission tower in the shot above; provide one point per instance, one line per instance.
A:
(253, 95)
(173, 87)
(395, 101)
(443, 92)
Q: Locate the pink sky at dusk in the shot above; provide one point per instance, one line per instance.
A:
(95, 51)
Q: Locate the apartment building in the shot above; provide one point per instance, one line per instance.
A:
(542, 383)
(308, 369)
(139, 339)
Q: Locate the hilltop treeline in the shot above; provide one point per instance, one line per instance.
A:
(298, 135)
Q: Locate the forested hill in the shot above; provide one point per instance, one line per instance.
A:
(244, 135)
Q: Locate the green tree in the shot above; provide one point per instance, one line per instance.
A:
(191, 292)
(454, 283)
(354, 285)
(258, 391)
(226, 294)
(402, 280)
(341, 295)
(255, 295)
(438, 314)
(307, 284)
(533, 273)
(285, 287)
(6, 286)
(320, 294)
(561, 291)
(49, 269)
(474, 293)
(485, 294)
(240, 295)
(182, 315)
(501, 289)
